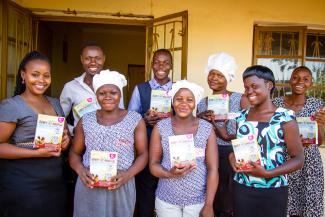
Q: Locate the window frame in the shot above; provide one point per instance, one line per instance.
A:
(302, 47)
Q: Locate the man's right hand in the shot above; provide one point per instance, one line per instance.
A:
(151, 118)
(206, 115)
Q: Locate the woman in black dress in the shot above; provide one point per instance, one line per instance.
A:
(31, 181)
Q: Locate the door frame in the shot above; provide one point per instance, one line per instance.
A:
(85, 17)
(6, 4)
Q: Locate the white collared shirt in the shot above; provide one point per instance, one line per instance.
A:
(75, 92)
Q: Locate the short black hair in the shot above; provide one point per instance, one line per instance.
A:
(261, 72)
(90, 44)
(166, 51)
(304, 68)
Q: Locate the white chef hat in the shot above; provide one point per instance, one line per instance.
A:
(109, 77)
(224, 63)
(197, 90)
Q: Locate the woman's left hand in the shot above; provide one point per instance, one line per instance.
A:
(117, 181)
(320, 116)
(207, 211)
(257, 171)
(65, 140)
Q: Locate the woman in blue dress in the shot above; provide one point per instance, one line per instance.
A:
(262, 190)
(108, 129)
(184, 189)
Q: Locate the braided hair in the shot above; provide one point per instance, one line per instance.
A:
(33, 55)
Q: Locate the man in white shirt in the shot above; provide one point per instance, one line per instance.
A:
(80, 89)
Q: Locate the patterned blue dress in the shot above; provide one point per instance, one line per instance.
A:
(190, 189)
(270, 137)
(119, 138)
(306, 186)
(263, 197)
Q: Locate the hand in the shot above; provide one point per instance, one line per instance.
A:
(151, 118)
(86, 177)
(65, 140)
(232, 161)
(181, 169)
(48, 152)
(207, 211)
(302, 139)
(320, 116)
(257, 171)
(221, 131)
(120, 179)
(206, 115)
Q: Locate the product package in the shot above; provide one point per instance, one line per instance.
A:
(49, 131)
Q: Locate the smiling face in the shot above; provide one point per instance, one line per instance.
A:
(161, 66)
(184, 102)
(217, 81)
(300, 81)
(37, 76)
(92, 60)
(257, 89)
(108, 97)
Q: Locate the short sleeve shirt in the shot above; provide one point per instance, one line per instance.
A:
(270, 137)
(16, 110)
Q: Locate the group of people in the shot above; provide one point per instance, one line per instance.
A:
(289, 182)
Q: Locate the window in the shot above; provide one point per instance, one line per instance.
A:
(284, 48)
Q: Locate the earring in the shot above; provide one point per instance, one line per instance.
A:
(23, 81)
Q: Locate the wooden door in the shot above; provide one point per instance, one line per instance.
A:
(20, 39)
(136, 75)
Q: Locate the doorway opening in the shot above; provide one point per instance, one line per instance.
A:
(123, 45)
(128, 40)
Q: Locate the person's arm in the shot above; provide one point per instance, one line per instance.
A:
(320, 133)
(65, 142)
(320, 118)
(202, 113)
(75, 156)
(66, 104)
(135, 102)
(141, 147)
(150, 117)
(65, 100)
(9, 151)
(244, 102)
(121, 104)
(212, 177)
(155, 155)
(206, 115)
(221, 131)
(295, 151)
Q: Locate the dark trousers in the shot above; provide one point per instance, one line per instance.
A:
(146, 185)
(224, 200)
